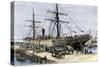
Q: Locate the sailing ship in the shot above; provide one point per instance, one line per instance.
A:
(76, 41)
(49, 44)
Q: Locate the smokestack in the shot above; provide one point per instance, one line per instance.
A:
(43, 33)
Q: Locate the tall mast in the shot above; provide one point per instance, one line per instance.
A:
(33, 24)
(57, 18)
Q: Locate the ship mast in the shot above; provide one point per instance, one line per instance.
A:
(33, 25)
(57, 20)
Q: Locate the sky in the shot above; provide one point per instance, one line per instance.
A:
(83, 16)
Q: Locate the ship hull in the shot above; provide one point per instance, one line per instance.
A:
(77, 42)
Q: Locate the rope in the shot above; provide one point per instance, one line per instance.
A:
(75, 24)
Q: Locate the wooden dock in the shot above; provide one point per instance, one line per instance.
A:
(66, 58)
(47, 58)
(35, 57)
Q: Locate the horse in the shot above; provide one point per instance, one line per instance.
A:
(69, 49)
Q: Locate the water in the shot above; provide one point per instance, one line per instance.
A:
(94, 50)
(24, 62)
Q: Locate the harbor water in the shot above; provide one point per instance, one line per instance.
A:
(24, 61)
